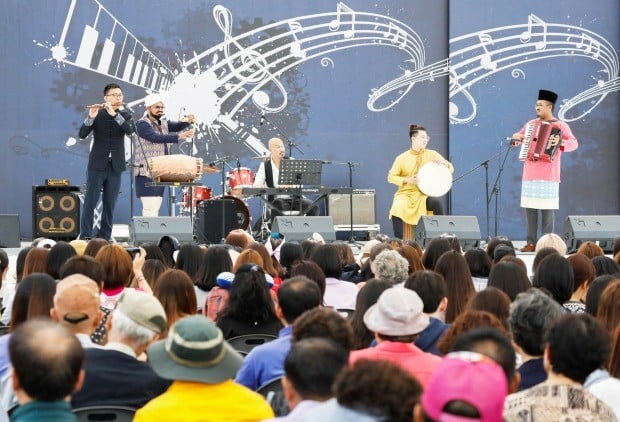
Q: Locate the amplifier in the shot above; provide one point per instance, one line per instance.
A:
(338, 207)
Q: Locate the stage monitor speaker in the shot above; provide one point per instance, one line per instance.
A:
(301, 228)
(465, 228)
(208, 220)
(55, 212)
(9, 231)
(151, 229)
(338, 207)
(601, 229)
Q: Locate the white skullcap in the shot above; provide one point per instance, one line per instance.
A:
(153, 99)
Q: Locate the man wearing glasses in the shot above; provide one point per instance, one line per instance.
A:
(155, 135)
(109, 122)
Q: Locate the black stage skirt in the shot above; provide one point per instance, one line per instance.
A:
(143, 190)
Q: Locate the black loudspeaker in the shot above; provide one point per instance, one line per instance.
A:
(466, 228)
(55, 212)
(208, 220)
(601, 229)
(9, 231)
(151, 229)
(301, 228)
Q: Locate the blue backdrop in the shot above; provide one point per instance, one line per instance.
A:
(343, 80)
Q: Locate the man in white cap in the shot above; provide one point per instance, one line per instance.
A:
(155, 135)
(397, 319)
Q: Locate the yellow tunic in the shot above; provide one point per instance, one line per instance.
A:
(409, 202)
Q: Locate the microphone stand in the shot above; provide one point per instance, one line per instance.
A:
(351, 165)
(495, 190)
(485, 164)
(290, 143)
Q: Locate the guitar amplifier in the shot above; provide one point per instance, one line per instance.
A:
(338, 207)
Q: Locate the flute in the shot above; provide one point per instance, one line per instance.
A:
(95, 106)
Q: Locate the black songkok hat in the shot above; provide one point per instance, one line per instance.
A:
(547, 96)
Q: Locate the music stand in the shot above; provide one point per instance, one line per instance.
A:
(300, 173)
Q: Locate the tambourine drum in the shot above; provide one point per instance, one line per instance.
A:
(240, 178)
(175, 168)
(434, 179)
(199, 193)
(242, 211)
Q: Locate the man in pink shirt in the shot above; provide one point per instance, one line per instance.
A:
(396, 319)
(540, 189)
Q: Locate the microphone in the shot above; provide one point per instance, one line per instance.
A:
(262, 119)
(513, 142)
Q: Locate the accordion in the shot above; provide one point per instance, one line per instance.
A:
(536, 144)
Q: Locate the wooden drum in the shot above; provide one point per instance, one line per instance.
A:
(175, 168)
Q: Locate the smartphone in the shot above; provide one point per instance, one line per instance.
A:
(132, 251)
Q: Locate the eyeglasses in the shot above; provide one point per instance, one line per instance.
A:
(118, 95)
(158, 107)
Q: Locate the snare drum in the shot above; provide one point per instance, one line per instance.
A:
(175, 168)
(434, 179)
(198, 193)
(238, 179)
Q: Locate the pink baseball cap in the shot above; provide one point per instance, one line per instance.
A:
(469, 377)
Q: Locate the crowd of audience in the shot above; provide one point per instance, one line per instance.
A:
(397, 333)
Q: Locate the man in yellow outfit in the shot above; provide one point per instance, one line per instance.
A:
(409, 202)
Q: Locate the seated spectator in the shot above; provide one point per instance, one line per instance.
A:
(175, 291)
(239, 239)
(556, 275)
(540, 255)
(266, 362)
(339, 294)
(370, 390)
(434, 250)
(502, 251)
(324, 323)
(396, 319)
(367, 296)
(509, 278)
(412, 256)
(44, 377)
(169, 246)
(465, 322)
(189, 260)
(311, 270)
(515, 260)
(465, 386)
(76, 306)
(310, 369)
(8, 288)
(87, 265)
(270, 263)
(58, 255)
(202, 366)
(551, 240)
(290, 254)
(568, 360)
(593, 297)
(605, 265)
(493, 344)
(431, 288)
(94, 245)
(496, 241)
(590, 249)
(151, 270)
(460, 287)
(215, 261)
(118, 270)
(583, 272)
(248, 256)
(366, 270)
(608, 312)
(114, 375)
(250, 308)
(493, 301)
(350, 268)
(479, 265)
(389, 265)
(531, 315)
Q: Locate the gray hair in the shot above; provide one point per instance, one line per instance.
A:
(125, 328)
(389, 265)
(531, 315)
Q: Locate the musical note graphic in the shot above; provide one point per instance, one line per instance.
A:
(343, 9)
(532, 22)
(590, 44)
(396, 35)
(485, 59)
(295, 27)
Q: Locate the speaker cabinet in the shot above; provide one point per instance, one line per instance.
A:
(9, 231)
(338, 207)
(601, 229)
(466, 228)
(208, 220)
(55, 212)
(301, 228)
(151, 229)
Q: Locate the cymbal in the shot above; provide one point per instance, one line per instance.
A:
(210, 169)
(260, 157)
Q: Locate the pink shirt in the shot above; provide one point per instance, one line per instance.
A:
(409, 357)
(340, 294)
(540, 170)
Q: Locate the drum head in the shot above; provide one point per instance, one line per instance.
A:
(242, 211)
(434, 179)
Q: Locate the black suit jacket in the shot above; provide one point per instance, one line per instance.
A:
(109, 137)
(116, 379)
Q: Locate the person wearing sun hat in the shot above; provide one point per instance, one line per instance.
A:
(540, 189)
(155, 134)
(397, 319)
(202, 366)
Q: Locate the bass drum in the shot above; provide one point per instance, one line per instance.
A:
(242, 211)
(434, 179)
